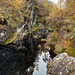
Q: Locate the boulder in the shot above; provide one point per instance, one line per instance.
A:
(62, 64)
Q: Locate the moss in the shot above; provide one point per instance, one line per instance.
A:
(10, 39)
(71, 52)
(60, 51)
(39, 45)
(26, 15)
(17, 20)
(42, 20)
(14, 47)
(49, 65)
(34, 29)
(54, 37)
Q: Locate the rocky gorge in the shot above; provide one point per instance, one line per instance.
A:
(35, 39)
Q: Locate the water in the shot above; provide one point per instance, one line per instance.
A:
(41, 64)
(41, 60)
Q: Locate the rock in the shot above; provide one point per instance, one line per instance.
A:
(47, 48)
(62, 64)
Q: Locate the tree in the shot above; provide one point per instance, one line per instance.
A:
(17, 4)
(55, 10)
(70, 3)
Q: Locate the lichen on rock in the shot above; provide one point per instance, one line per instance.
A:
(62, 64)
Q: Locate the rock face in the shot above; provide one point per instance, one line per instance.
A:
(62, 64)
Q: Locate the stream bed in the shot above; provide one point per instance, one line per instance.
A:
(41, 64)
(41, 61)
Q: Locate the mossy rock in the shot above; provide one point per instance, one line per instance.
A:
(10, 39)
(57, 65)
(71, 52)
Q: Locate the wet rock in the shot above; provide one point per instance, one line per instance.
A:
(62, 64)
(50, 48)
